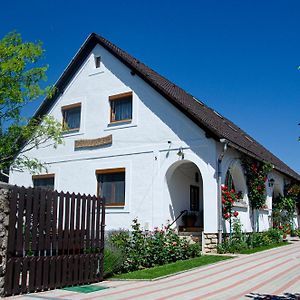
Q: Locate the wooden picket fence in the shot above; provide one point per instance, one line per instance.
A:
(54, 240)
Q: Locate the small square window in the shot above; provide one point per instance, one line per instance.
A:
(97, 61)
(111, 186)
(121, 107)
(71, 117)
(45, 181)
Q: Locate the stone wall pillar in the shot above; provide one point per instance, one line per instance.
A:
(210, 242)
(4, 220)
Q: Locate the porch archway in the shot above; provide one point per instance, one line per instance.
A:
(185, 188)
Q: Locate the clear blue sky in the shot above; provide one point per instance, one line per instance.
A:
(239, 57)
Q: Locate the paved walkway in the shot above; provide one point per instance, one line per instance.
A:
(272, 272)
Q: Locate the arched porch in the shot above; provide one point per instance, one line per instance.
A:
(185, 188)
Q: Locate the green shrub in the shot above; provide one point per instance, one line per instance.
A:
(147, 249)
(275, 235)
(113, 261)
(297, 232)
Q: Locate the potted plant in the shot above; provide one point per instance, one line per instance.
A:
(189, 219)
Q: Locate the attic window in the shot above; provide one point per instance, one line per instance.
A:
(97, 61)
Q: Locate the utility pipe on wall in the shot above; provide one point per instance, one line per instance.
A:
(219, 166)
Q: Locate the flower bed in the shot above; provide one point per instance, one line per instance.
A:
(143, 249)
(241, 241)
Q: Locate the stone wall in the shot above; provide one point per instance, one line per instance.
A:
(4, 218)
(210, 242)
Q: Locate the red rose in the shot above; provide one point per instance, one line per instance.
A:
(235, 213)
(227, 216)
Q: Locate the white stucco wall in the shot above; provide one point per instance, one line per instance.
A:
(146, 147)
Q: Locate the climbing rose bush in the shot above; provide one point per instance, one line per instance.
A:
(228, 199)
(257, 173)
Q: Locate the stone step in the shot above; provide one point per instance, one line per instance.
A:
(190, 233)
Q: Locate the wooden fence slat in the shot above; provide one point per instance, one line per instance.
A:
(48, 217)
(25, 273)
(71, 245)
(52, 266)
(102, 230)
(45, 262)
(32, 273)
(17, 272)
(39, 274)
(28, 221)
(77, 225)
(83, 224)
(58, 272)
(9, 277)
(93, 223)
(54, 223)
(60, 223)
(42, 217)
(98, 224)
(67, 224)
(88, 223)
(35, 225)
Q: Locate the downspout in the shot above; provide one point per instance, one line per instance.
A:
(219, 168)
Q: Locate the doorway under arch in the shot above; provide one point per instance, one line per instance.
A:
(185, 188)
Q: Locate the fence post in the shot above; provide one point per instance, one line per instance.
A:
(4, 221)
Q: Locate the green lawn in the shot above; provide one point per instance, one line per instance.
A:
(262, 248)
(172, 268)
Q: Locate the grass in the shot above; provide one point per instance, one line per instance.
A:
(172, 268)
(262, 248)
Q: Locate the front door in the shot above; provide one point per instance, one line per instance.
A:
(194, 198)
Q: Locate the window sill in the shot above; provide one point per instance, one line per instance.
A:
(71, 133)
(120, 125)
(240, 205)
(264, 210)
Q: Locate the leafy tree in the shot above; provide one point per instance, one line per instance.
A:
(21, 76)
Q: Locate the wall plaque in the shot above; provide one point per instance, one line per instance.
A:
(107, 140)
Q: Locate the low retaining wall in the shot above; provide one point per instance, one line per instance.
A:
(210, 242)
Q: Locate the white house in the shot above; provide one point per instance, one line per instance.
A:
(149, 147)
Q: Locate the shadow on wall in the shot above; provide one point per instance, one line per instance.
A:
(285, 296)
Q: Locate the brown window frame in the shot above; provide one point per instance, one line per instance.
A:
(66, 108)
(119, 97)
(44, 176)
(111, 171)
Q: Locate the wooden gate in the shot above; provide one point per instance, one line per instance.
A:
(54, 240)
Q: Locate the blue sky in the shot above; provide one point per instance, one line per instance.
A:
(239, 57)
